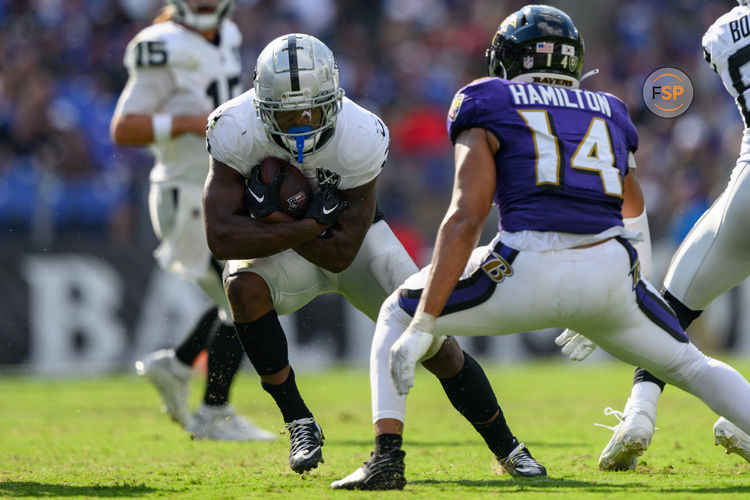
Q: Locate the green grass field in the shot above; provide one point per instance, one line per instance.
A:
(106, 438)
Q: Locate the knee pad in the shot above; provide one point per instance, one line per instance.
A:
(264, 343)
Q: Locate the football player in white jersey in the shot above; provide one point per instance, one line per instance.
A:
(276, 264)
(713, 258)
(180, 68)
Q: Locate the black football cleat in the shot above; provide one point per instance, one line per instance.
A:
(520, 463)
(305, 440)
(381, 472)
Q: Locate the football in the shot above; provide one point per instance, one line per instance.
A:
(296, 191)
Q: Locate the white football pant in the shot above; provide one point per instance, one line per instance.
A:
(176, 211)
(715, 256)
(380, 266)
(589, 290)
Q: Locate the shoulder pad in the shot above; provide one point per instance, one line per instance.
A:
(230, 32)
(723, 37)
(364, 140)
(161, 45)
(230, 131)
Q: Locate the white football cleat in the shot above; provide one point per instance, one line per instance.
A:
(221, 423)
(632, 436)
(171, 378)
(732, 438)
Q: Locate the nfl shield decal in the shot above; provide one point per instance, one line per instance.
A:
(528, 62)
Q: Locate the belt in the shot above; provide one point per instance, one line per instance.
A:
(589, 245)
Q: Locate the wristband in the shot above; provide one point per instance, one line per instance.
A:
(162, 126)
(424, 322)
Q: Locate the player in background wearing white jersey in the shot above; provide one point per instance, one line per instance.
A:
(180, 68)
(276, 264)
(713, 258)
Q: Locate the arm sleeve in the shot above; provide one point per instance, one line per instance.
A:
(639, 224)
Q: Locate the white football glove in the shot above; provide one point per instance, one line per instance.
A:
(574, 345)
(410, 347)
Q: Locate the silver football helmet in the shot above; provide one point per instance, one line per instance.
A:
(201, 15)
(297, 73)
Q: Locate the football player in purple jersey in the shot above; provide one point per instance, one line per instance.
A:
(558, 163)
(711, 260)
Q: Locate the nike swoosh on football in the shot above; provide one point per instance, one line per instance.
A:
(325, 212)
(259, 200)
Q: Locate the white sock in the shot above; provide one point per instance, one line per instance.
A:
(645, 391)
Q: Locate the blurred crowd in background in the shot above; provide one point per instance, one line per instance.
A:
(62, 71)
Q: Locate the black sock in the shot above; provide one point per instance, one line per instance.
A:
(224, 357)
(288, 399)
(497, 435)
(386, 442)
(471, 394)
(196, 340)
(642, 375)
(684, 314)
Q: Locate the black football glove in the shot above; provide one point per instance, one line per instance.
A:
(261, 200)
(326, 206)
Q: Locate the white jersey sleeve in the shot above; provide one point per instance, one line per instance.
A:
(150, 83)
(174, 70)
(362, 146)
(231, 134)
(726, 48)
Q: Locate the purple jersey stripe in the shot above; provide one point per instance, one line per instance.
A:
(468, 292)
(652, 305)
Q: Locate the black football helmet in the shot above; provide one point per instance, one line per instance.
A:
(536, 39)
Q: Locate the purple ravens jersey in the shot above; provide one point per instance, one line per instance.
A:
(563, 152)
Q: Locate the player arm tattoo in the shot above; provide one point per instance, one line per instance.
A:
(337, 252)
(232, 233)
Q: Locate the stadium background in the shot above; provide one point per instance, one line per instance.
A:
(79, 291)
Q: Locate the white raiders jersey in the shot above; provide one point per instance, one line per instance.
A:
(726, 47)
(355, 153)
(175, 70)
